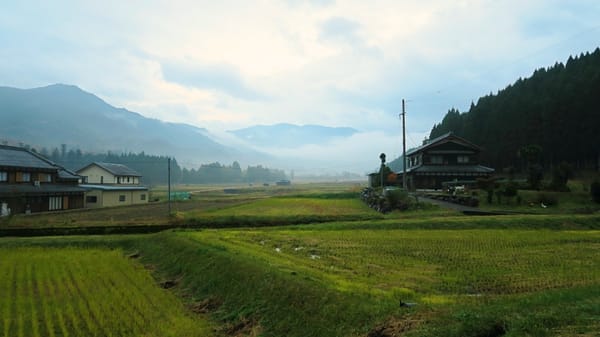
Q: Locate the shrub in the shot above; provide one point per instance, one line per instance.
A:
(560, 177)
(398, 199)
(546, 199)
(595, 191)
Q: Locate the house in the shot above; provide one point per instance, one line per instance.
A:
(31, 183)
(110, 184)
(444, 160)
(109, 173)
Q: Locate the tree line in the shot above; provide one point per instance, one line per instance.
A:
(154, 169)
(219, 173)
(557, 109)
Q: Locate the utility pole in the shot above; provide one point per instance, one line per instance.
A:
(169, 184)
(403, 147)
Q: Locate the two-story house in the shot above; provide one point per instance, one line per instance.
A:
(111, 184)
(31, 183)
(444, 159)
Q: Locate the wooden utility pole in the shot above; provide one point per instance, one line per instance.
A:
(403, 147)
(169, 184)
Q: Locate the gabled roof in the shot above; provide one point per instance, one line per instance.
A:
(445, 138)
(11, 156)
(64, 174)
(114, 169)
(450, 169)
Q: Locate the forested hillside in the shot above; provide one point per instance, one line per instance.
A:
(557, 109)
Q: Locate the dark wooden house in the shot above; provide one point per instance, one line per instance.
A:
(443, 160)
(32, 183)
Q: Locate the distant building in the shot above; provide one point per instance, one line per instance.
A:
(445, 159)
(30, 183)
(283, 183)
(110, 184)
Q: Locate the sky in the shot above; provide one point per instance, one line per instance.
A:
(225, 65)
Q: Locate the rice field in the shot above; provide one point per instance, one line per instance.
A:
(86, 292)
(435, 265)
(277, 207)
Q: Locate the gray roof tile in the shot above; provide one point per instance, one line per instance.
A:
(11, 156)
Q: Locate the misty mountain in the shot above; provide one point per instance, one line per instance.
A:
(291, 136)
(64, 114)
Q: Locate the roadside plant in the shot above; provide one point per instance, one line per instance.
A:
(595, 190)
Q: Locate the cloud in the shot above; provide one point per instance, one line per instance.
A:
(358, 153)
(339, 29)
(222, 78)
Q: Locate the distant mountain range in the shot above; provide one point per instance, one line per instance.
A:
(64, 114)
(291, 136)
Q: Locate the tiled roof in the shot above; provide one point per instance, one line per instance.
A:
(11, 156)
(115, 169)
(441, 139)
(65, 174)
(451, 169)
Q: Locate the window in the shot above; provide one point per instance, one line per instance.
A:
(47, 178)
(143, 196)
(462, 159)
(3, 176)
(55, 203)
(437, 160)
(91, 199)
(128, 179)
(25, 177)
(122, 197)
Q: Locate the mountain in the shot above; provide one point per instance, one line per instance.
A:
(64, 114)
(291, 136)
(557, 109)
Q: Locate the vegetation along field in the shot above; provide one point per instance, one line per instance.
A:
(337, 268)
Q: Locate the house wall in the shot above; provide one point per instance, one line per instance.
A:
(94, 193)
(20, 204)
(112, 198)
(98, 175)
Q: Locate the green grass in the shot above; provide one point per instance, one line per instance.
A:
(86, 292)
(280, 211)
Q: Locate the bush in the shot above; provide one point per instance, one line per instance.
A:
(560, 177)
(546, 199)
(595, 191)
(398, 199)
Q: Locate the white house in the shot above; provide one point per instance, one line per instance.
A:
(110, 184)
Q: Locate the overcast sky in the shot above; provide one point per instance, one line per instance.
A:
(224, 65)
